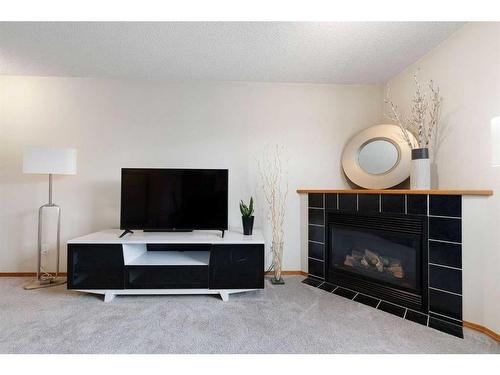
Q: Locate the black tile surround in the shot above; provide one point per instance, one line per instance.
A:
(369, 203)
(445, 252)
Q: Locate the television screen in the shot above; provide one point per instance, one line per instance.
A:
(174, 199)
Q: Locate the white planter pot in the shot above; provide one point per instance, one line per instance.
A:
(420, 174)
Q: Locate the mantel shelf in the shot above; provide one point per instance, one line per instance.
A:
(400, 191)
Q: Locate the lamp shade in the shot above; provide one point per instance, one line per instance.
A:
(49, 160)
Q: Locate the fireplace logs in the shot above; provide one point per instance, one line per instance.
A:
(371, 260)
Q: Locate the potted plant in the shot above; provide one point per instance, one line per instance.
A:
(247, 217)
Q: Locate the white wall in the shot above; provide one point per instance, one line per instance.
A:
(467, 68)
(119, 123)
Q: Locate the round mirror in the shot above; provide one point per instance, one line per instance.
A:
(378, 156)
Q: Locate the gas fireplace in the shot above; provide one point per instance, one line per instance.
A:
(379, 255)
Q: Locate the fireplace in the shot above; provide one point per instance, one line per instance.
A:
(381, 255)
(398, 253)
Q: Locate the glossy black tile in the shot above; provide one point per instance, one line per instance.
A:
(394, 203)
(316, 268)
(327, 287)
(344, 293)
(392, 309)
(316, 216)
(312, 281)
(416, 317)
(316, 200)
(445, 303)
(416, 204)
(316, 233)
(445, 318)
(445, 278)
(445, 205)
(367, 300)
(446, 327)
(316, 250)
(445, 229)
(331, 201)
(348, 202)
(448, 254)
(368, 203)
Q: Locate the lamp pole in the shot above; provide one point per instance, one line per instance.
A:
(48, 161)
(43, 278)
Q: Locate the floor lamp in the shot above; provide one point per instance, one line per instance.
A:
(50, 161)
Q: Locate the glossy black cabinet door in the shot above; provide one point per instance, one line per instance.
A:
(166, 277)
(95, 266)
(237, 267)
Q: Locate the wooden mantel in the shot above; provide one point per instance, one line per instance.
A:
(399, 191)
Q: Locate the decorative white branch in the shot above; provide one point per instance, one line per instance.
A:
(396, 117)
(274, 179)
(417, 123)
(424, 118)
(434, 112)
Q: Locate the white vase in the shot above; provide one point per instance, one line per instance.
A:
(420, 174)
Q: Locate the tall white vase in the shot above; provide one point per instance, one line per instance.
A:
(420, 174)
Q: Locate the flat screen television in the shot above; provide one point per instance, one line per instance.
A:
(174, 199)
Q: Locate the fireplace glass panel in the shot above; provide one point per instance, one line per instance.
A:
(384, 256)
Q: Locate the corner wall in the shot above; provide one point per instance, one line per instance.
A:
(467, 68)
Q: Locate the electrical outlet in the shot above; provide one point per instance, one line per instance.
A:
(45, 248)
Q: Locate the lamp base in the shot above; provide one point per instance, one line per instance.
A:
(37, 284)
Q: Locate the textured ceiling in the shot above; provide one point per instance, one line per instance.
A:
(351, 52)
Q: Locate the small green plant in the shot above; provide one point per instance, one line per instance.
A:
(246, 211)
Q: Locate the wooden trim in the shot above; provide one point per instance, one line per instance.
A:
(289, 273)
(25, 274)
(399, 191)
(17, 274)
(486, 331)
(33, 274)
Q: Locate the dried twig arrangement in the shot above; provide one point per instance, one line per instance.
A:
(275, 188)
(274, 179)
(424, 118)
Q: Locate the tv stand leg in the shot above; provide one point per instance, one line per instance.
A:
(109, 296)
(224, 296)
(126, 231)
(223, 233)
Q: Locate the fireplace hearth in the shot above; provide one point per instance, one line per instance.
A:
(380, 255)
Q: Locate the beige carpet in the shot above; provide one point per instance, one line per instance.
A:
(294, 318)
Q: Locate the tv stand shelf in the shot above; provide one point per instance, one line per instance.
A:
(199, 262)
(171, 258)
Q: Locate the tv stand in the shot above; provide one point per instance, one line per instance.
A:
(199, 262)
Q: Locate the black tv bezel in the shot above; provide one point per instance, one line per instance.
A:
(122, 227)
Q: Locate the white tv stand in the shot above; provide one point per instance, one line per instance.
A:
(199, 262)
